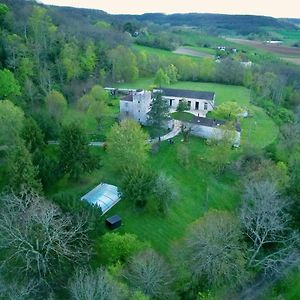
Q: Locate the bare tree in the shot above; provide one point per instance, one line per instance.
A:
(149, 273)
(97, 285)
(266, 221)
(214, 252)
(36, 237)
(17, 291)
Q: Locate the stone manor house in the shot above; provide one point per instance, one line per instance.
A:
(137, 103)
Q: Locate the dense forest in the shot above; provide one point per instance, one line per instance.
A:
(54, 65)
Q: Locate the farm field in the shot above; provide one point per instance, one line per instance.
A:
(277, 49)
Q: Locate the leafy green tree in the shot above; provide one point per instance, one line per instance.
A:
(85, 102)
(124, 64)
(74, 156)
(159, 114)
(229, 110)
(137, 184)
(3, 10)
(161, 78)
(219, 156)
(21, 171)
(207, 69)
(56, 104)
(9, 86)
(163, 193)
(98, 110)
(89, 57)
(127, 145)
(182, 106)
(70, 61)
(248, 78)
(172, 73)
(114, 247)
(99, 93)
(32, 135)
(11, 122)
(26, 69)
(214, 252)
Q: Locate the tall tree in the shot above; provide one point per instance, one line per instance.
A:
(56, 105)
(88, 58)
(149, 273)
(124, 65)
(214, 250)
(70, 61)
(21, 171)
(37, 239)
(127, 145)
(74, 155)
(32, 135)
(161, 78)
(266, 223)
(172, 73)
(159, 114)
(11, 122)
(9, 86)
(94, 285)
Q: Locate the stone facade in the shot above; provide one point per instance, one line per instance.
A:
(136, 105)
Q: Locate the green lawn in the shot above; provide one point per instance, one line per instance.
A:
(182, 116)
(198, 189)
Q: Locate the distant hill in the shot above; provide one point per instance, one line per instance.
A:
(217, 23)
(241, 24)
(293, 21)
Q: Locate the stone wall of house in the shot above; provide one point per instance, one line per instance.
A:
(212, 133)
(141, 106)
(203, 105)
(138, 108)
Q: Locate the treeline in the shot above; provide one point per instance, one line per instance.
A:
(219, 23)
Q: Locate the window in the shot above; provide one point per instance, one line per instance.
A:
(171, 102)
(189, 104)
(205, 106)
(197, 105)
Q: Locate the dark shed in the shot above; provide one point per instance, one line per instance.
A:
(113, 222)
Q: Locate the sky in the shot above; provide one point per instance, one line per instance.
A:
(275, 8)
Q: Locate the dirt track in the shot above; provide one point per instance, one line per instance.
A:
(278, 49)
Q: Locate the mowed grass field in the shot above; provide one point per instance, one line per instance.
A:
(197, 187)
(257, 131)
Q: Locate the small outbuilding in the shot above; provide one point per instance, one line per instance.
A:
(113, 222)
(104, 196)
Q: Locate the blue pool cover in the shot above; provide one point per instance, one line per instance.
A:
(104, 196)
